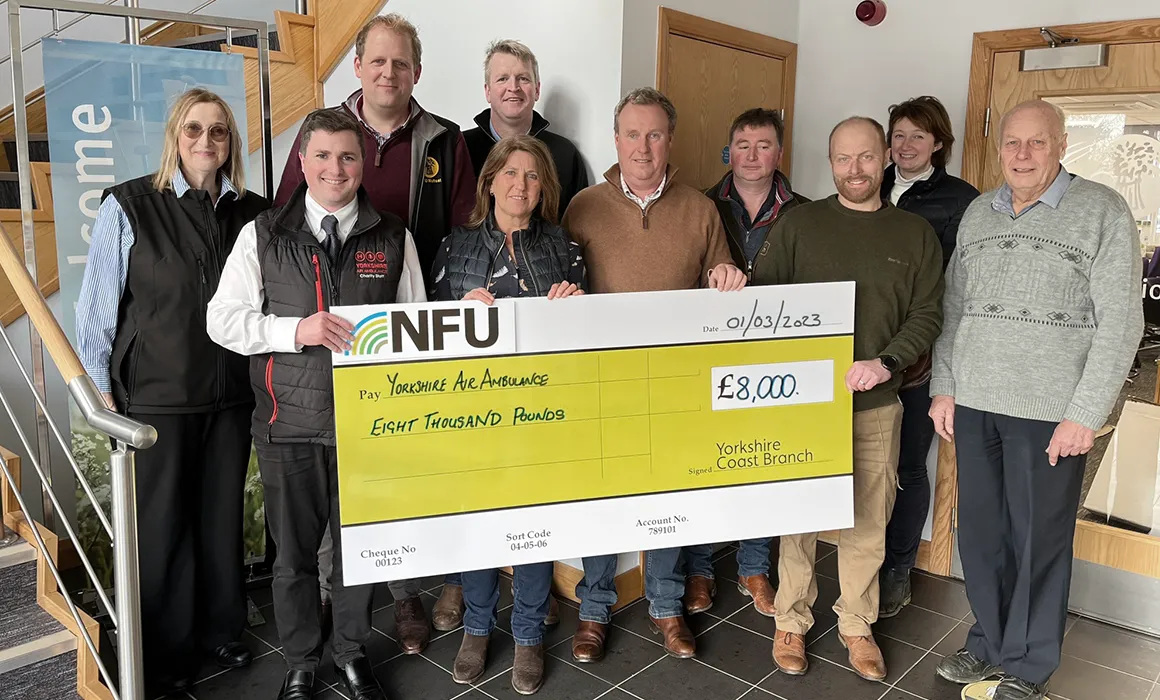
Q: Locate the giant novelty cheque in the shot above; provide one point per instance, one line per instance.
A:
(473, 437)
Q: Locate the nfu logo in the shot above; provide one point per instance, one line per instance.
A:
(444, 329)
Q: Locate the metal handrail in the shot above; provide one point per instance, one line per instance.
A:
(72, 608)
(44, 332)
(55, 30)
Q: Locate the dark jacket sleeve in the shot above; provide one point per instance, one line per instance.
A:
(291, 174)
(463, 185)
(950, 233)
(924, 315)
(577, 272)
(577, 180)
(775, 260)
(441, 287)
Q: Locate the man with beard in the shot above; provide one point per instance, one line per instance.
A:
(895, 259)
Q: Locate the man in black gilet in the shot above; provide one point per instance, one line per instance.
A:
(286, 271)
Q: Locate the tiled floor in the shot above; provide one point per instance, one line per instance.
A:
(733, 655)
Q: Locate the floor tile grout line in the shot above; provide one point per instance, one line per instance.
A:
(723, 672)
(620, 685)
(1109, 668)
(580, 667)
(894, 685)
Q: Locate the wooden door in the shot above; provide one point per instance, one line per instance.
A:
(1121, 98)
(1131, 69)
(712, 72)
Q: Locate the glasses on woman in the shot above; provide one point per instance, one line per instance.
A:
(194, 130)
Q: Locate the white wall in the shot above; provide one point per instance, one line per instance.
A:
(776, 18)
(922, 48)
(279, 150)
(577, 44)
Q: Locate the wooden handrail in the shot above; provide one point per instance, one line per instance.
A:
(55, 341)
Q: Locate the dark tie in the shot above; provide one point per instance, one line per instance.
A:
(331, 244)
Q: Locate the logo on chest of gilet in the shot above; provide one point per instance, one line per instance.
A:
(369, 264)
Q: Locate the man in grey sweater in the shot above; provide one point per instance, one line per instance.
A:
(1042, 319)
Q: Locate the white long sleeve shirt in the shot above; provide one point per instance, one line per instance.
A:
(234, 318)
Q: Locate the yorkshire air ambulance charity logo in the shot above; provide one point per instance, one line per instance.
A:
(432, 170)
(372, 335)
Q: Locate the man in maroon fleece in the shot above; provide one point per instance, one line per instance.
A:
(419, 169)
(418, 166)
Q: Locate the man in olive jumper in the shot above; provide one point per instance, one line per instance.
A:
(1043, 318)
(895, 260)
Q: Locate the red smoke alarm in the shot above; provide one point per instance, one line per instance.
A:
(871, 12)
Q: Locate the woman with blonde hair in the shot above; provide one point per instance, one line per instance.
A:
(511, 247)
(158, 246)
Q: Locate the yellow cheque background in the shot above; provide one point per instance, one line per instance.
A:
(636, 421)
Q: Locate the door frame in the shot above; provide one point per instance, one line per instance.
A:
(678, 23)
(1094, 542)
(987, 44)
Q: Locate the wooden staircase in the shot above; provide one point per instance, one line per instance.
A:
(47, 594)
(310, 49)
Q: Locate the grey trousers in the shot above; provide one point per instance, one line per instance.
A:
(407, 588)
(1016, 523)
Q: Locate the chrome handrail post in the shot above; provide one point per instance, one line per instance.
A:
(24, 178)
(126, 572)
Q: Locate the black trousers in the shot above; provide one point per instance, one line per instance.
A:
(301, 484)
(1016, 523)
(911, 507)
(190, 491)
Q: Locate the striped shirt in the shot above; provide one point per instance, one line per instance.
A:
(100, 299)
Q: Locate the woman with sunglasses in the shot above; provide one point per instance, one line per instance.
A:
(157, 250)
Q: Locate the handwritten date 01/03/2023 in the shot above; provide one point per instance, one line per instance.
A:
(755, 319)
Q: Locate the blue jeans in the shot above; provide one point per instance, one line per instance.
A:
(904, 531)
(453, 580)
(531, 586)
(752, 558)
(664, 586)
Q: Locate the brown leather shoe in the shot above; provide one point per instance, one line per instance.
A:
(679, 640)
(528, 670)
(588, 644)
(553, 617)
(411, 622)
(471, 659)
(758, 588)
(789, 653)
(699, 592)
(865, 657)
(448, 611)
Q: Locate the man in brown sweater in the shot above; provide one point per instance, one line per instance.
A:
(640, 232)
(895, 260)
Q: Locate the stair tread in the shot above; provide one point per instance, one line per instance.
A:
(51, 679)
(16, 554)
(21, 619)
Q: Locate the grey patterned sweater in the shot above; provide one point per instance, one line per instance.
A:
(1042, 313)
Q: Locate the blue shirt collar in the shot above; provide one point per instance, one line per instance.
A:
(181, 186)
(1003, 197)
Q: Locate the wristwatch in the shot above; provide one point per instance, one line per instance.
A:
(890, 362)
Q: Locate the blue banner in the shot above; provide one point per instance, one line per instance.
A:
(107, 105)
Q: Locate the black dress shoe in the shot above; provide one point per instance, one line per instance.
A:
(232, 655)
(360, 681)
(299, 685)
